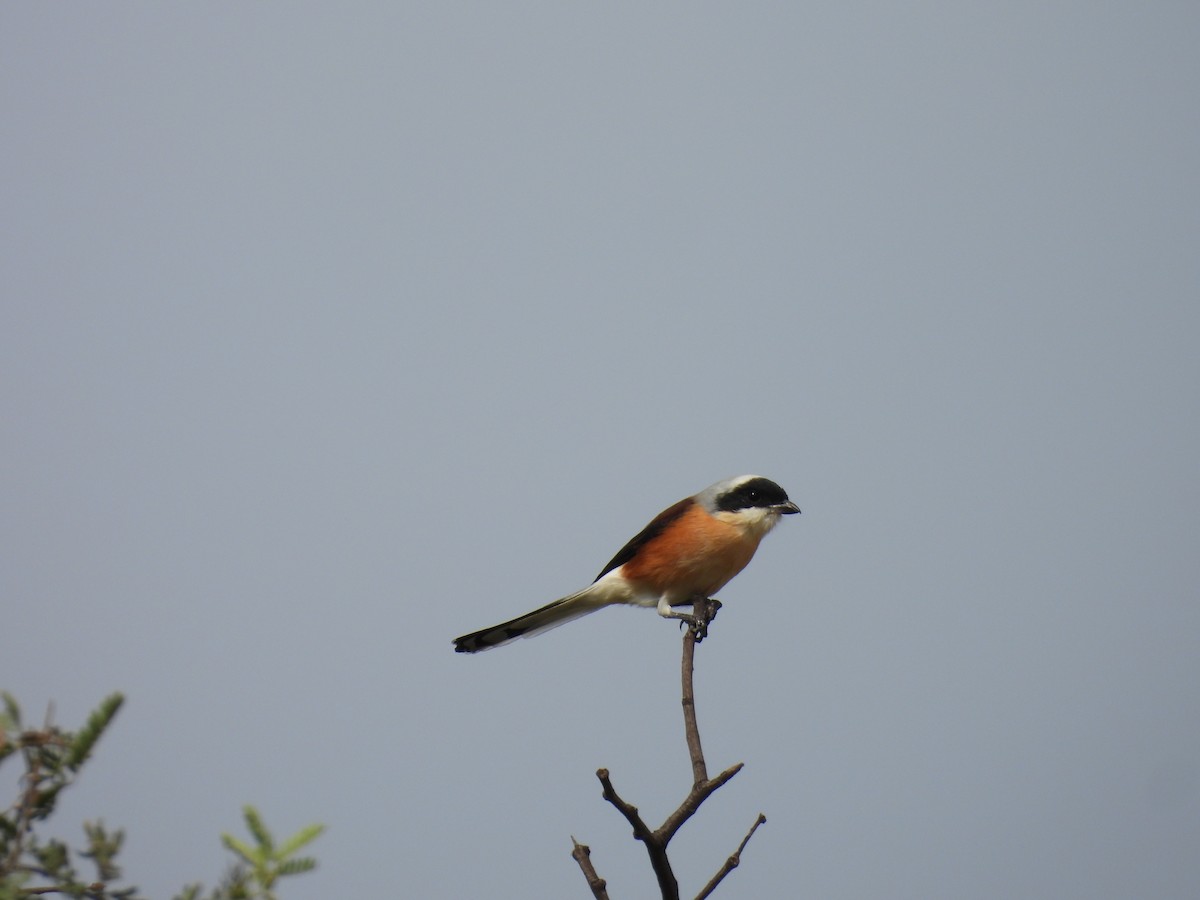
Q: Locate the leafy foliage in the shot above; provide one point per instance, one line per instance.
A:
(32, 865)
(261, 864)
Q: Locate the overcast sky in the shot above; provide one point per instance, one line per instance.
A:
(333, 331)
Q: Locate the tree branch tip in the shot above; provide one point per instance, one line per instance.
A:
(713, 783)
(582, 854)
(761, 820)
(732, 862)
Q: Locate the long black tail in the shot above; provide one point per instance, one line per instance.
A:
(549, 616)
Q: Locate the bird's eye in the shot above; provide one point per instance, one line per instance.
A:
(752, 496)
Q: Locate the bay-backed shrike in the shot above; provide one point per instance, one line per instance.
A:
(689, 550)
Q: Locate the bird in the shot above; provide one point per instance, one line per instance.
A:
(689, 551)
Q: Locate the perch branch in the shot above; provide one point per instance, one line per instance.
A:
(704, 610)
(691, 731)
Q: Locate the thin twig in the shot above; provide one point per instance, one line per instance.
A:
(690, 730)
(92, 889)
(582, 854)
(733, 861)
(30, 743)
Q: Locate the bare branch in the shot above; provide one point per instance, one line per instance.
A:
(656, 848)
(733, 861)
(698, 794)
(628, 810)
(582, 854)
(94, 888)
(703, 611)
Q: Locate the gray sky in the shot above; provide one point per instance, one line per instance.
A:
(332, 332)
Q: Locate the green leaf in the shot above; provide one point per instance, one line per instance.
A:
(301, 838)
(53, 857)
(43, 801)
(85, 740)
(297, 866)
(11, 886)
(12, 711)
(248, 854)
(255, 823)
(103, 848)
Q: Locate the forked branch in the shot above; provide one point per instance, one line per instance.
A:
(656, 841)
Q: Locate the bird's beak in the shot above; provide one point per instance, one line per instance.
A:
(788, 508)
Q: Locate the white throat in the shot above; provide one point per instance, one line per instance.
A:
(754, 522)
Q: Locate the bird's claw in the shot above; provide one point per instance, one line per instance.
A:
(698, 624)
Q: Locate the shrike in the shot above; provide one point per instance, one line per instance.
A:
(689, 550)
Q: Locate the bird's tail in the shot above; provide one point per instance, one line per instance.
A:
(549, 616)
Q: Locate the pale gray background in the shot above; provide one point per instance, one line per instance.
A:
(331, 331)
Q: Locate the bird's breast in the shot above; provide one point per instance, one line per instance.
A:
(697, 554)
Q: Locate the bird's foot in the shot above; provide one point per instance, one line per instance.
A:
(704, 611)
